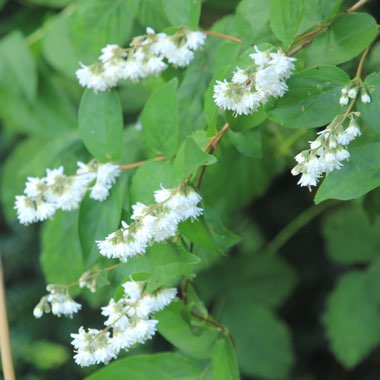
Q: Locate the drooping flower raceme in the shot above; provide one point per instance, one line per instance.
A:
(56, 191)
(327, 152)
(351, 92)
(58, 301)
(255, 85)
(147, 55)
(128, 323)
(153, 223)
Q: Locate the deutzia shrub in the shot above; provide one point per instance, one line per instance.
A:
(186, 219)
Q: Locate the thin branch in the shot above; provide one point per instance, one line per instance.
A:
(361, 63)
(210, 148)
(5, 345)
(139, 163)
(357, 5)
(222, 35)
(295, 225)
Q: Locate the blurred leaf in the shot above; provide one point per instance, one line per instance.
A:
(169, 264)
(160, 120)
(182, 12)
(285, 19)
(312, 99)
(61, 256)
(352, 319)
(51, 3)
(224, 363)
(174, 328)
(247, 142)
(251, 18)
(263, 342)
(98, 219)
(57, 46)
(101, 124)
(371, 112)
(357, 177)
(149, 178)
(96, 23)
(350, 237)
(164, 366)
(188, 159)
(46, 355)
(346, 38)
(17, 69)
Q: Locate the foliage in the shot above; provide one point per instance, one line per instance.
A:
(252, 288)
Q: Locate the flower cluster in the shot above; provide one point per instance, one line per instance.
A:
(327, 152)
(255, 85)
(129, 319)
(153, 223)
(58, 301)
(44, 196)
(147, 55)
(351, 92)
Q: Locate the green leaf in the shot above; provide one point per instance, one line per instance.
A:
(263, 341)
(101, 124)
(98, 219)
(268, 280)
(224, 363)
(285, 19)
(347, 37)
(312, 99)
(352, 319)
(61, 256)
(169, 264)
(163, 366)
(182, 12)
(149, 178)
(370, 112)
(160, 120)
(57, 46)
(174, 328)
(96, 23)
(251, 19)
(188, 159)
(247, 142)
(17, 69)
(350, 237)
(358, 176)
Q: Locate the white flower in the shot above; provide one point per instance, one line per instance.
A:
(195, 40)
(343, 100)
(352, 93)
(180, 57)
(116, 313)
(163, 298)
(143, 330)
(92, 347)
(91, 78)
(260, 58)
(365, 98)
(26, 209)
(132, 291)
(307, 180)
(35, 187)
(111, 52)
(105, 178)
(239, 76)
(63, 304)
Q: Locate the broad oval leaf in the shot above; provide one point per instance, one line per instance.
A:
(101, 124)
(164, 366)
(312, 99)
(352, 319)
(347, 37)
(357, 177)
(160, 120)
(285, 19)
(61, 256)
(224, 363)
